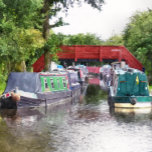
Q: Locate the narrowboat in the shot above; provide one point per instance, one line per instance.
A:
(81, 71)
(105, 77)
(129, 88)
(29, 89)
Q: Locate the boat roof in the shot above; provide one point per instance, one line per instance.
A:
(124, 70)
(26, 81)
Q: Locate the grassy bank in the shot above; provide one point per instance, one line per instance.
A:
(2, 83)
(2, 87)
(3, 79)
(150, 88)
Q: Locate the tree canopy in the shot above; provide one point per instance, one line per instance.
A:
(19, 37)
(138, 37)
(82, 39)
(25, 29)
(115, 40)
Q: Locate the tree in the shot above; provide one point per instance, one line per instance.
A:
(25, 28)
(82, 39)
(20, 33)
(138, 38)
(114, 40)
(51, 8)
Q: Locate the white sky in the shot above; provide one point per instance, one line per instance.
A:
(111, 20)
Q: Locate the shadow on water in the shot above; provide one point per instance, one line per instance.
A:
(94, 94)
(6, 139)
(24, 130)
(30, 129)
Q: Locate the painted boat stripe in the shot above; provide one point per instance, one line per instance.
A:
(129, 105)
(133, 110)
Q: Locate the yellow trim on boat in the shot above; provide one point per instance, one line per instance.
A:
(137, 105)
(133, 110)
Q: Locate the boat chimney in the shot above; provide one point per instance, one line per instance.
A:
(122, 64)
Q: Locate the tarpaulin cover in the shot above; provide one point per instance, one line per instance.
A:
(25, 81)
(132, 84)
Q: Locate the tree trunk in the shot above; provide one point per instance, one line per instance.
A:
(47, 60)
(46, 29)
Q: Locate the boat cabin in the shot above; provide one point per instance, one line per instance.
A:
(129, 82)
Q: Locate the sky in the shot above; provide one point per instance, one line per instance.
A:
(111, 20)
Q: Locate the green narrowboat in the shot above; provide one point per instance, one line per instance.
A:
(129, 89)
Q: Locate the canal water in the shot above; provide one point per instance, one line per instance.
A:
(86, 126)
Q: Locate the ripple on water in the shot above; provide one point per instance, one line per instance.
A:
(107, 133)
(79, 128)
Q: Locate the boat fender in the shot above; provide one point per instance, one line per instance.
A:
(9, 102)
(133, 101)
(15, 96)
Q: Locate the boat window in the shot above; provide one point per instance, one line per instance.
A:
(52, 83)
(46, 84)
(64, 82)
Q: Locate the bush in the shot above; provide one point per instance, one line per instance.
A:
(2, 83)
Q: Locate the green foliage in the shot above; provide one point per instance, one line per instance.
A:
(138, 38)
(20, 34)
(20, 44)
(24, 30)
(115, 40)
(53, 43)
(3, 78)
(23, 14)
(94, 94)
(82, 39)
(2, 87)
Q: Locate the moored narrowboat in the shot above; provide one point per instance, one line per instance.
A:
(105, 77)
(39, 89)
(129, 88)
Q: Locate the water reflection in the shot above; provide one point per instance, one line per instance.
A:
(94, 94)
(132, 115)
(86, 127)
(92, 128)
(21, 116)
(21, 128)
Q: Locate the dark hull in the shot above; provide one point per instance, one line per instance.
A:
(44, 99)
(47, 98)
